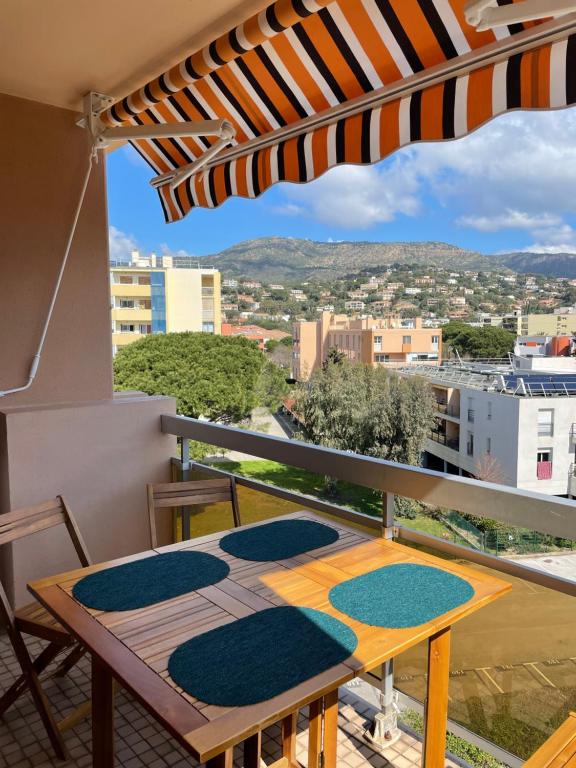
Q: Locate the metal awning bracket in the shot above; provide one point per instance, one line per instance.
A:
(104, 136)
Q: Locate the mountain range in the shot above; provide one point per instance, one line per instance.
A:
(280, 259)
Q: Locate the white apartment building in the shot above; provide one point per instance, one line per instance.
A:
(514, 428)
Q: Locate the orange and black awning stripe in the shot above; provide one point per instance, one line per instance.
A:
(272, 76)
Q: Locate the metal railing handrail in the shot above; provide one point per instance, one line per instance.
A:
(512, 567)
(512, 506)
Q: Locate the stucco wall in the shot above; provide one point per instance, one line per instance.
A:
(560, 442)
(67, 434)
(183, 300)
(43, 156)
(98, 455)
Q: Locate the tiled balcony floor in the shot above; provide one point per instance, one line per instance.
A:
(142, 743)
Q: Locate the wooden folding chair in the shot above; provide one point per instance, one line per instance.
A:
(188, 494)
(34, 620)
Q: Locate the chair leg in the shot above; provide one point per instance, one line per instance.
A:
(41, 702)
(38, 665)
(70, 661)
(47, 717)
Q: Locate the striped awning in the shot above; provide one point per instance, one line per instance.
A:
(310, 84)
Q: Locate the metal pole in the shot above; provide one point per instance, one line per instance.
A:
(185, 511)
(387, 515)
(384, 730)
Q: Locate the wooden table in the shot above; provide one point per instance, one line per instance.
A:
(133, 647)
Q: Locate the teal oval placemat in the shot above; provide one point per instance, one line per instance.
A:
(150, 580)
(400, 596)
(260, 656)
(278, 540)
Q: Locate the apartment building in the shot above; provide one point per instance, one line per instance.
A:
(388, 341)
(162, 294)
(504, 425)
(549, 324)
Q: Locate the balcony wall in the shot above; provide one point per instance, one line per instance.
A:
(99, 455)
(44, 156)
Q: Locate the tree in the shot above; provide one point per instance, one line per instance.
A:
(367, 410)
(334, 357)
(221, 378)
(478, 342)
(489, 469)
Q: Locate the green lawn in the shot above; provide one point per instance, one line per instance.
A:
(425, 524)
(356, 497)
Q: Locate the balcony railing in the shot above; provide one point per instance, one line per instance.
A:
(443, 439)
(538, 512)
(553, 517)
(449, 410)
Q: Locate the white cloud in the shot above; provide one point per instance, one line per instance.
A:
(553, 240)
(515, 173)
(509, 219)
(358, 197)
(288, 209)
(165, 250)
(120, 244)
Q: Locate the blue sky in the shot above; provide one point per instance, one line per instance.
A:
(508, 186)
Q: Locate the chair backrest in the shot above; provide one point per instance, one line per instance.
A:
(30, 520)
(188, 494)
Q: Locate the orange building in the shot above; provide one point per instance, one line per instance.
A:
(388, 341)
(253, 332)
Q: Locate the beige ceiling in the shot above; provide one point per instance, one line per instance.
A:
(54, 51)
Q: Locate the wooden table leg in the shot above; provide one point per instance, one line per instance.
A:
(102, 716)
(434, 750)
(223, 760)
(330, 729)
(315, 734)
(253, 750)
(289, 733)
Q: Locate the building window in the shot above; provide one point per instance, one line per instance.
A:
(544, 464)
(470, 444)
(382, 358)
(144, 280)
(545, 422)
(406, 339)
(435, 340)
(145, 328)
(126, 303)
(208, 327)
(125, 280)
(377, 339)
(127, 328)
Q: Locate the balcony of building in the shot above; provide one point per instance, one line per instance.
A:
(448, 401)
(64, 430)
(512, 676)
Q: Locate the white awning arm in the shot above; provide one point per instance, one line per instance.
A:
(485, 14)
(103, 136)
(178, 175)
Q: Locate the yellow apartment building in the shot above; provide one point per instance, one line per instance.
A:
(163, 294)
(390, 341)
(553, 324)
